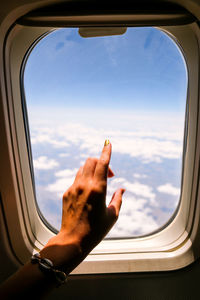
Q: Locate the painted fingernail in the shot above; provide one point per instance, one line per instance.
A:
(107, 142)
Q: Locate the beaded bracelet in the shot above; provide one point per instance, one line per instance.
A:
(47, 267)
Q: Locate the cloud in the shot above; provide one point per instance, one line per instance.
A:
(135, 219)
(45, 139)
(140, 205)
(168, 188)
(44, 163)
(149, 149)
(135, 188)
(53, 218)
(47, 135)
(136, 214)
(153, 142)
(139, 176)
(140, 189)
(50, 206)
(66, 173)
(64, 181)
(64, 154)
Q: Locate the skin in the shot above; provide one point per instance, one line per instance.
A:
(85, 221)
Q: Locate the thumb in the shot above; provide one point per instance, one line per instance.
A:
(115, 204)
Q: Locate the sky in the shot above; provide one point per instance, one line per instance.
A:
(129, 88)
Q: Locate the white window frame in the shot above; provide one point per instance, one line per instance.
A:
(173, 247)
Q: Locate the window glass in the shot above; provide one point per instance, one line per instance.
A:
(130, 88)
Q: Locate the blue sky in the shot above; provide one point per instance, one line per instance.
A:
(130, 89)
(141, 70)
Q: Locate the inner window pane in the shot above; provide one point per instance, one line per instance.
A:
(130, 88)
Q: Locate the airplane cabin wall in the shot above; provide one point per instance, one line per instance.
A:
(181, 284)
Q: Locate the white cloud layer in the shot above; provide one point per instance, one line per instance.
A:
(135, 216)
(135, 188)
(168, 188)
(148, 145)
(64, 181)
(44, 163)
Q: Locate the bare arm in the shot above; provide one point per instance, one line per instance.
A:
(85, 221)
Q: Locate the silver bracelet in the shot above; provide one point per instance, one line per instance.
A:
(47, 267)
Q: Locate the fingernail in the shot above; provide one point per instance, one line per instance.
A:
(107, 142)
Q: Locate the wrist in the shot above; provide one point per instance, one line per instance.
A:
(47, 267)
(65, 252)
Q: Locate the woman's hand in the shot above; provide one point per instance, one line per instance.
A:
(86, 219)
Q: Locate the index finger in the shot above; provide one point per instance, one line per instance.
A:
(101, 171)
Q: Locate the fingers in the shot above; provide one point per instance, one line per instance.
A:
(79, 173)
(98, 166)
(110, 173)
(102, 167)
(89, 167)
(115, 204)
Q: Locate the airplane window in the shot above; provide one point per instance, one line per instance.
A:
(130, 88)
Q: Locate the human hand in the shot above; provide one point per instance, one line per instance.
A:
(86, 219)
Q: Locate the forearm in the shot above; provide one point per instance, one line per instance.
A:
(85, 221)
(29, 282)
